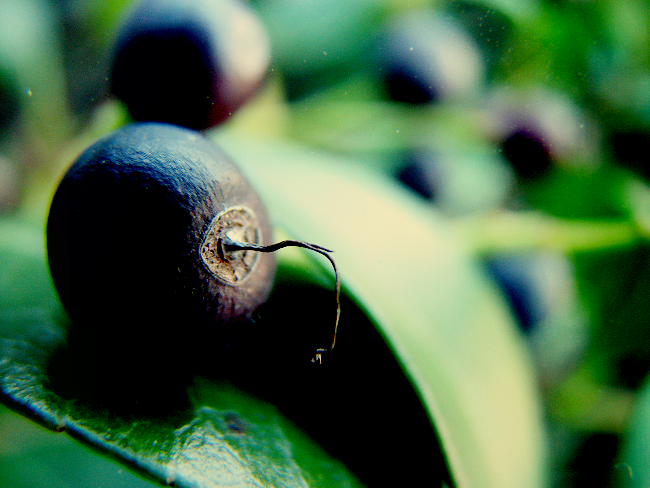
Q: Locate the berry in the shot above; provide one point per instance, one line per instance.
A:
(189, 63)
(423, 58)
(133, 242)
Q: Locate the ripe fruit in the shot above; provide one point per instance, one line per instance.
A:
(159, 249)
(189, 63)
(528, 153)
(133, 246)
(538, 130)
(424, 58)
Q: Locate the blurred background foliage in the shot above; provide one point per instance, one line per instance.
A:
(525, 123)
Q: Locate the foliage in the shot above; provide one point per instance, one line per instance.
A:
(435, 282)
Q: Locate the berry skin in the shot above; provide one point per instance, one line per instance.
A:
(422, 58)
(132, 245)
(189, 63)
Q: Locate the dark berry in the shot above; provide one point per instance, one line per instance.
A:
(189, 63)
(134, 242)
(422, 58)
(528, 153)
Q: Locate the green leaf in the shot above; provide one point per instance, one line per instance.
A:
(224, 442)
(24, 280)
(320, 40)
(440, 316)
(31, 456)
(633, 467)
(225, 437)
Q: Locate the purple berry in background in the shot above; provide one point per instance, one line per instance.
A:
(189, 63)
(424, 58)
(538, 129)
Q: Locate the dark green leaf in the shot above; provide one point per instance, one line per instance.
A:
(33, 457)
(224, 438)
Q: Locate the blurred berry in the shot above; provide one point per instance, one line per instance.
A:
(527, 152)
(423, 58)
(538, 129)
(189, 63)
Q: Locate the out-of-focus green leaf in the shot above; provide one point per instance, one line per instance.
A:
(516, 231)
(614, 283)
(440, 316)
(309, 36)
(520, 11)
(343, 124)
(24, 281)
(29, 49)
(636, 198)
(32, 457)
(318, 42)
(470, 174)
(633, 468)
(576, 194)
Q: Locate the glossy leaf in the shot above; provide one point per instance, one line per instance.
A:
(222, 437)
(31, 456)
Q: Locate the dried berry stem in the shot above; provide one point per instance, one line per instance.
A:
(228, 245)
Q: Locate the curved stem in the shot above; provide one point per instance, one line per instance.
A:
(229, 245)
